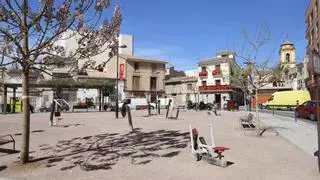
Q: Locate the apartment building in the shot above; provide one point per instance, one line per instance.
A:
(312, 20)
(215, 80)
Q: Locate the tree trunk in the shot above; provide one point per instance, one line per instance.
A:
(245, 102)
(24, 156)
(257, 113)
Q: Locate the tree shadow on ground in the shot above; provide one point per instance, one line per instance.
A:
(8, 151)
(34, 131)
(101, 152)
(68, 125)
(3, 168)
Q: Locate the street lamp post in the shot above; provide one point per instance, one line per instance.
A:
(157, 73)
(117, 78)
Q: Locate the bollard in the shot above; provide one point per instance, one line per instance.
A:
(167, 114)
(129, 117)
(273, 111)
(168, 107)
(177, 115)
(149, 109)
(295, 116)
(158, 107)
(52, 112)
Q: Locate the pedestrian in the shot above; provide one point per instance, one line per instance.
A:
(31, 108)
(214, 108)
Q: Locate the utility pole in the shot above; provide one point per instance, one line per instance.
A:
(117, 76)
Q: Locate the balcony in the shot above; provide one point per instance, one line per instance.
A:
(216, 72)
(215, 88)
(203, 74)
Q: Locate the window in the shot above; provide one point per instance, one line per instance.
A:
(154, 67)
(136, 82)
(188, 97)
(288, 57)
(218, 67)
(136, 66)
(203, 69)
(231, 72)
(153, 83)
(204, 83)
(189, 87)
(312, 104)
(218, 82)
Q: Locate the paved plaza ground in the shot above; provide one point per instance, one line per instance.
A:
(97, 146)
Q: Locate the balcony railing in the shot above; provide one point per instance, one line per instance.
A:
(203, 74)
(215, 87)
(216, 72)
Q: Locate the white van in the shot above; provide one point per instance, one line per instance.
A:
(137, 103)
(164, 102)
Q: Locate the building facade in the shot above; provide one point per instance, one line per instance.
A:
(143, 77)
(182, 89)
(312, 20)
(216, 83)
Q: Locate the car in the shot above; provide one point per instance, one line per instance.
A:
(137, 103)
(48, 108)
(45, 108)
(307, 110)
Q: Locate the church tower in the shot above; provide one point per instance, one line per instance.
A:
(287, 55)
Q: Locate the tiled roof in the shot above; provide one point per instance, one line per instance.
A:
(142, 59)
(182, 79)
(211, 60)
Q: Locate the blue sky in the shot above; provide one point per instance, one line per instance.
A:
(184, 32)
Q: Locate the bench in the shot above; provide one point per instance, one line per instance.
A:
(246, 122)
(5, 139)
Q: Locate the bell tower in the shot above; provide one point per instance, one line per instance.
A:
(287, 55)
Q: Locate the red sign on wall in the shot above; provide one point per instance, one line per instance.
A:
(121, 72)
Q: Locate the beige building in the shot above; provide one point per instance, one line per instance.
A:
(138, 76)
(143, 77)
(182, 89)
